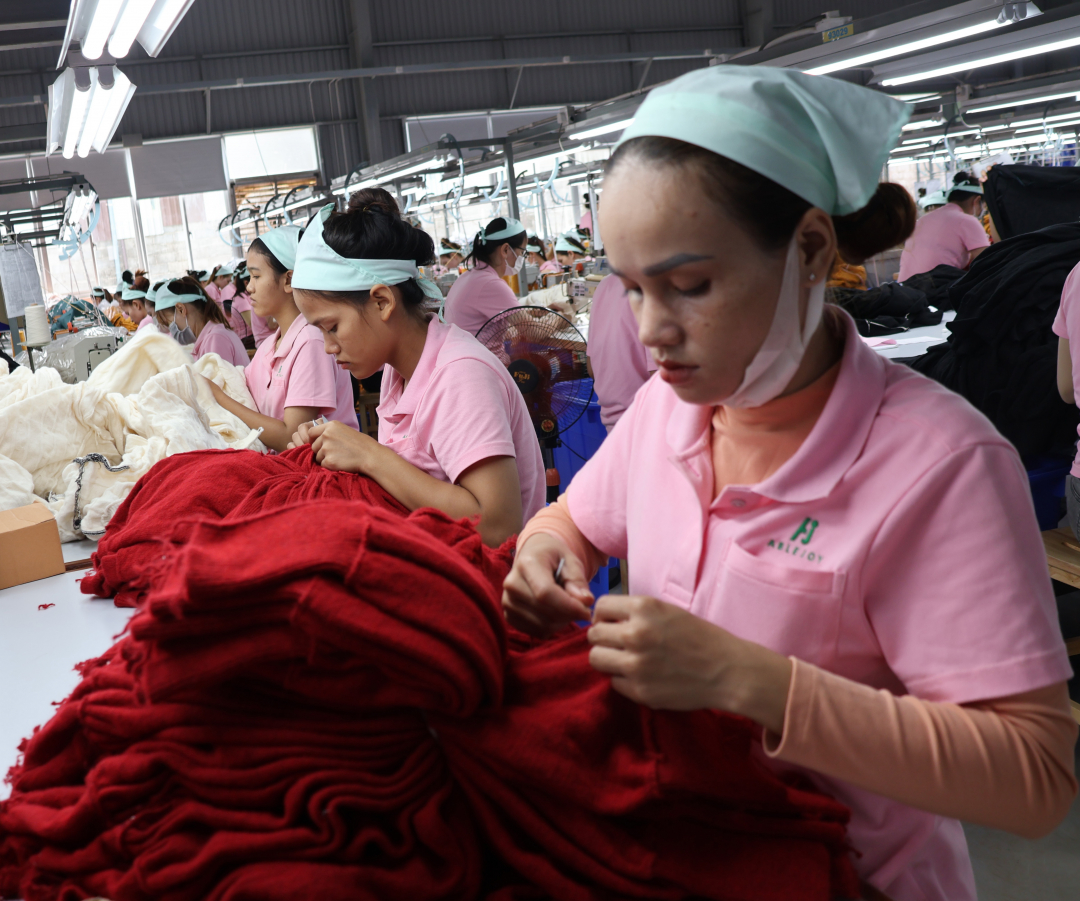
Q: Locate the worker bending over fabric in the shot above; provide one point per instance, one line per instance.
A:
(454, 431)
(620, 364)
(806, 522)
(950, 235)
(186, 306)
(290, 379)
(498, 250)
(1067, 328)
(133, 301)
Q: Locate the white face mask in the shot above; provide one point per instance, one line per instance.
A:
(518, 265)
(776, 361)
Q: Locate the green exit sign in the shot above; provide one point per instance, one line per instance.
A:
(834, 34)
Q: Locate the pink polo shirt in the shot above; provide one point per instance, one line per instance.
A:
(299, 373)
(1067, 326)
(946, 236)
(898, 547)
(620, 362)
(145, 322)
(215, 338)
(461, 406)
(477, 296)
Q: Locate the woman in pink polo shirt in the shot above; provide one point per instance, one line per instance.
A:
(807, 525)
(950, 235)
(290, 378)
(186, 305)
(498, 249)
(620, 364)
(454, 431)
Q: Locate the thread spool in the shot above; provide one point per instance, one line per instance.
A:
(37, 325)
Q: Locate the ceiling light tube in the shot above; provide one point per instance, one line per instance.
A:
(99, 101)
(606, 128)
(910, 47)
(101, 26)
(80, 104)
(925, 123)
(1021, 44)
(1048, 98)
(132, 18)
(119, 95)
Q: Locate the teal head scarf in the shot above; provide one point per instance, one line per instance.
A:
(132, 294)
(98, 291)
(513, 227)
(282, 243)
(227, 269)
(166, 298)
(823, 139)
(564, 246)
(321, 268)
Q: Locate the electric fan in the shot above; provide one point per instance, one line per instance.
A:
(545, 354)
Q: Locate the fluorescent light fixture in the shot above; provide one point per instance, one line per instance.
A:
(128, 26)
(606, 128)
(906, 148)
(924, 123)
(910, 47)
(1047, 98)
(1021, 44)
(86, 119)
(93, 24)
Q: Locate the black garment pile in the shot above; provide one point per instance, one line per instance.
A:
(1024, 199)
(1002, 354)
(935, 284)
(886, 309)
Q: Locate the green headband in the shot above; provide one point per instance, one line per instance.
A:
(564, 246)
(166, 300)
(513, 227)
(321, 268)
(971, 189)
(823, 139)
(533, 248)
(227, 269)
(99, 292)
(132, 294)
(282, 243)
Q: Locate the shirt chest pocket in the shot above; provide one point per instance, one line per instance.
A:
(794, 611)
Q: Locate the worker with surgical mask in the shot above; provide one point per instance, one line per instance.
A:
(498, 250)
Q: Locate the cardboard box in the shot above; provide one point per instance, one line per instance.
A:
(29, 545)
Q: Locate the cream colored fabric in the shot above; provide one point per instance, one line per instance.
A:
(141, 405)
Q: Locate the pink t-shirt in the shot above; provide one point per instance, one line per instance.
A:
(299, 373)
(240, 304)
(215, 338)
(145, 322)
(620, 362)
(477, 296)
(461, 406)
(864, 554)
(260, 329)
(945, 236)
(1067, 326)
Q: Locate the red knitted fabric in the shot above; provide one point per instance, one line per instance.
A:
(340, 717)
(210, 485)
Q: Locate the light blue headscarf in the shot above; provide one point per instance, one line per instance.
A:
(132, 294)
(282, 243)
(564, 246)
(513, 227)
(227, 269)
(321, 268)
(166, 300)
(823, 139)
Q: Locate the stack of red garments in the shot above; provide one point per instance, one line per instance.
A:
(321, 702)
(210, 485)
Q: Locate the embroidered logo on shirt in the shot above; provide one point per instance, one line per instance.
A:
(796, 545)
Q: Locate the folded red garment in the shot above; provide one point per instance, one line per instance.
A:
(210, 485)
(318, 701)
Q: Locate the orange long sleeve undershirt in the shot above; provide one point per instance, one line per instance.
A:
(1006, 763)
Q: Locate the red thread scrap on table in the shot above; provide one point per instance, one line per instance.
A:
(45, 606)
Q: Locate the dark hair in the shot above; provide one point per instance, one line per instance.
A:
(771, 212)
(126, 277)
(372, 229)
(485, 251)
(207, 307)
(962, 178)
(140, 282)
(534, 240)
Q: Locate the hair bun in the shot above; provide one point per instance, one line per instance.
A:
(374, 199)
(886, 221)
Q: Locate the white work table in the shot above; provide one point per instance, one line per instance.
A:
(40, 648)
(917, 341)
